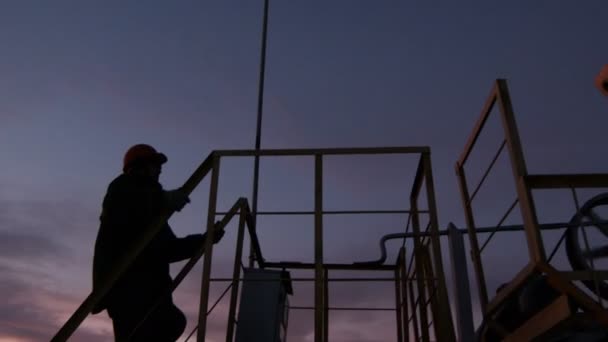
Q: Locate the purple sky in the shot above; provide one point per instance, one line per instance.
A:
(82, 81)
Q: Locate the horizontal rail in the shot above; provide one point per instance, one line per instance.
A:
(558, 181)
(341, 308)
(344, 267)
(324, 151)
(334, 212)
(303, 279)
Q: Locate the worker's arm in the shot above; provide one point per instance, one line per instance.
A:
(184, 248)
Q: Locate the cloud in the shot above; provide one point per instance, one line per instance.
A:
(21, 246)
(39, 245)
(35, 313)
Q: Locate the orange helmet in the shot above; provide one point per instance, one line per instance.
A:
(601, 81)
(142, 153)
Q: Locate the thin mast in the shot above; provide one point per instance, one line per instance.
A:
(258, 135)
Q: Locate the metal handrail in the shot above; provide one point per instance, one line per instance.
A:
(487, 172)
(239, 205)
(135, 249)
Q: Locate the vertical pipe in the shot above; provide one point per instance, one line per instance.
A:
(213, 191)
(326, 306)
(464, 312)
(405, 315)
(319, 248)
(258, 131)
(475, 253)
(444, 314)
(440, 326)
(236, 273)
(413, 305)
(419, 271)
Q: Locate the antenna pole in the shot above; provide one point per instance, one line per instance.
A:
(258, 135)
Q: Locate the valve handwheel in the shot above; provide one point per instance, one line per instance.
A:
(581, 259)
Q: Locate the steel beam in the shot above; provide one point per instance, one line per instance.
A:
(562, 181)
(325, 151)
(236, 273)
(205, 284)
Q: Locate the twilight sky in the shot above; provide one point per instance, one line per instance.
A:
(81, 81)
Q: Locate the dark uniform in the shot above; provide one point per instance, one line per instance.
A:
(132, 203)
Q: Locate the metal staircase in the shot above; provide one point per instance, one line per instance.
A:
(431, 294)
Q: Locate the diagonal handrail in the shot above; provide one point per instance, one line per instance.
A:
(241, 205)
(95, 296)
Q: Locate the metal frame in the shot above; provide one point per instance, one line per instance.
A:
(321, 269)
(430, 285)
(420, 286)
(525, 184)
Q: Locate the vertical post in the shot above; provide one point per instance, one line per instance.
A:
(319, 248)
(442, 330)
(236, 273)
(419, 271)
(413, 304)
(464, 312)
(213, 191)
(258, 132)
(432, 291)
(475, 253)
(528, 210)
(405, 315)
(326, 306)
(398, 299)
(445, 313)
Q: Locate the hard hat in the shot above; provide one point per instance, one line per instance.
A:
(601, 81)
(142, 153)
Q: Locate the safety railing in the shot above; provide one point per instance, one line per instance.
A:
(322, 269)
(538, 262)
(425, 258)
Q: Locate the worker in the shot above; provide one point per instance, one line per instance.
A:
(133, 202)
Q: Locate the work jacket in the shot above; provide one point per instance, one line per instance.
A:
(131, 205)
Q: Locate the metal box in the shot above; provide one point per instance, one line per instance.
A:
(264, 306)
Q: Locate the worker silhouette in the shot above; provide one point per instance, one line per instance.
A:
(133, 202)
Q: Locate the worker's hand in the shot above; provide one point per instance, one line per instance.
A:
(176, 199)
(218, 233)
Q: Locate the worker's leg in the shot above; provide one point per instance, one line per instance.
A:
(171, 321)
(165, 324)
